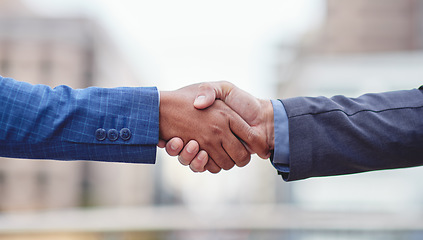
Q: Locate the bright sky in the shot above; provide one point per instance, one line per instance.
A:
(175, 43)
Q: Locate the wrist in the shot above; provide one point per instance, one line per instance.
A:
(163, 109)
(267, 109)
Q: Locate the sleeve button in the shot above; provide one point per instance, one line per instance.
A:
(113, 135)
(125, 134)
(100, 134)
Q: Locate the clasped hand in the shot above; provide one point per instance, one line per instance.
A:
(214, 126)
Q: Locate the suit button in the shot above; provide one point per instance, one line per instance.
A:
(100, 134)
(125, 134)
(113, 135)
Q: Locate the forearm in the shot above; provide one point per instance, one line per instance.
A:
(61, 123)
(343, 135)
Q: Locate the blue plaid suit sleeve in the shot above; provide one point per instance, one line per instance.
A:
(39, 122)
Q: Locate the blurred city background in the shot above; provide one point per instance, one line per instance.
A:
(270, 48)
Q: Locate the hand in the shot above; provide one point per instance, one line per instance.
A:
(213, 128)
(258, 113)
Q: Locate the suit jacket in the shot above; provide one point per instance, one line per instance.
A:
(340, 135)
(116, 124)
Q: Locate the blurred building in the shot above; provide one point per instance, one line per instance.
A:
(74, 52)
(372, 26)
(360, 45)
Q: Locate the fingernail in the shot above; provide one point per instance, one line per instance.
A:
(190, 148)
(174, 146)
(199, 99)
(202, 156)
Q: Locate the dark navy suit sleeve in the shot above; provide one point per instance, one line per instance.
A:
(115, 124)
(340, 135)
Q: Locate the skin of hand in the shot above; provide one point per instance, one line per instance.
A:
(215, 130)
(256, 112)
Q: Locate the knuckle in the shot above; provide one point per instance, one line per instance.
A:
(244, 155)
(205, 86)
(228, 165)
(252, 135)
(243, 163)
(207, 141)
(226, 84)
(214, 170)
(255, 139)
(216, 130)
(212, 167)
(244, 159)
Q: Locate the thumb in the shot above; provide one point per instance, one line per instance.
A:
(252, 139)
(205, 97)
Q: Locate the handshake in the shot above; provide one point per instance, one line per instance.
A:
(214, 126)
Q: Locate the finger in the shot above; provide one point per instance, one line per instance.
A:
(205, 97)
(174, 146)
(188, 153)
(212, 167)
(221, 158)
(198, 164)
(255, 141)
(236, 150)
(161, 144)
(209, 92)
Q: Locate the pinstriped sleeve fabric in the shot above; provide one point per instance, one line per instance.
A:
(39, 122)
(340, 135)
